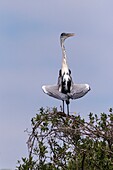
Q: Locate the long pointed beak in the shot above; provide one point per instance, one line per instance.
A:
(70, 34)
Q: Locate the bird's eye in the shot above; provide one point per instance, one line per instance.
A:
(63, 34)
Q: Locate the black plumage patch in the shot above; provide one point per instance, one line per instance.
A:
(66, 83)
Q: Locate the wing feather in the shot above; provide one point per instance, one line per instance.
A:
(78, 90)
(52, 90)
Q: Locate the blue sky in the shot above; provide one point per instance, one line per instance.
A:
(30, 56)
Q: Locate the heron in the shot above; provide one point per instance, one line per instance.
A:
(64, 79)
(65, 89)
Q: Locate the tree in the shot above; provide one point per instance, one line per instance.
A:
(61, 142)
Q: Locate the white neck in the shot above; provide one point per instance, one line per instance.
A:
(64, 60)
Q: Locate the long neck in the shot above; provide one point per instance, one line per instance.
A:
(66, 80)
(64, 59)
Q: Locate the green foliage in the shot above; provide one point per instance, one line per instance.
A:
(26, 164)
(61, 142)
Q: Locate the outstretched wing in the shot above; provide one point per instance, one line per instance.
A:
(78, 90)
(52, 90)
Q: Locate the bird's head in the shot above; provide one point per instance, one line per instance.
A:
(64, 36)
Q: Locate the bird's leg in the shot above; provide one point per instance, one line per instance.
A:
(63, 106)
(67, 102)
(68, 109)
